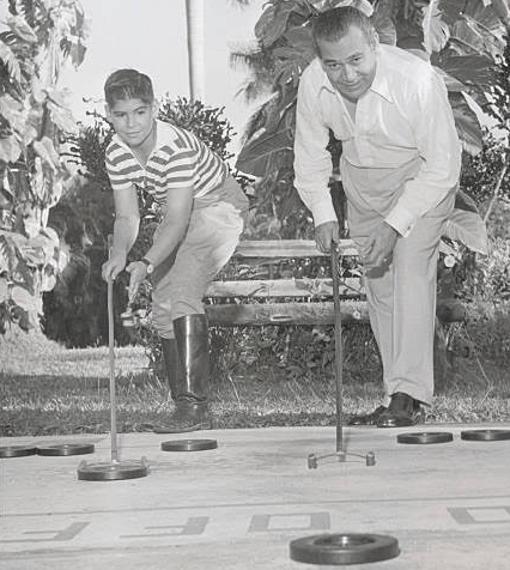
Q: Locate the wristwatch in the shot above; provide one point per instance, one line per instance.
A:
(148, 264)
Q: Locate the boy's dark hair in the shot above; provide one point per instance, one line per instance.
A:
(332, 25)
(128, 84)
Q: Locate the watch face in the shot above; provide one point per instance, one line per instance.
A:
(148, 265)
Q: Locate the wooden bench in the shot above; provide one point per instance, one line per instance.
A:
(256, 297)
(265, 294)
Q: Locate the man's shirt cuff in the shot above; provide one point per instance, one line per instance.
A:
(323, 212)
(401, 220)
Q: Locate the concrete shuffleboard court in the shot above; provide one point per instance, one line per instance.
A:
(238, 506)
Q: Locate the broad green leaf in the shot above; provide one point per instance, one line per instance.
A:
(8, 57)
(383, 20)
(43, 246)
(451, 83)
(502, 10)
(77, 53)
(58, 96)
(48, 282)
(256, 156)
(24, 299)
(52, 235)
(38, 184)
(465, 202)
(33, 124)
(468, 69)
(63, 119)
(469, 229)
(10, 149)
(56, 190)
(32, 226)
(22, 317)
(285, 99)
(273, 21)
(484, 12)
(301, 40)
(38, 92)
(467, 123)
(5, 203)
(476, 37)
(30, 133)
(12, 110)
(435, 30)
(363, 6)
(46, 150)
(34, 256)
(20, 27)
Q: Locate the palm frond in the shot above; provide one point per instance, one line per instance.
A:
(261, 66)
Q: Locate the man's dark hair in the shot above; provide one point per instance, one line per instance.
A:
(128, 84)
(332, 25)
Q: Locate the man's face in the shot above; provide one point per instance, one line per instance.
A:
(133, 120)
(349, 63)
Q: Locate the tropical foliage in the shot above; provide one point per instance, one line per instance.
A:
(38, 38)
(463, 39)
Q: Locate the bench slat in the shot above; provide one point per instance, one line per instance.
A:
(257, 314)
(303, 287)
(288, 248)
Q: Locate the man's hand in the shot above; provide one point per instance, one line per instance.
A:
(379, 250)
(325, 234)
(138, 271)
(114, 266)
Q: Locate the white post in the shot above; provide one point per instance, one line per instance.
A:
(195, 33)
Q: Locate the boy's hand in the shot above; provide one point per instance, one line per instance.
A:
(138, 271)
(114, 266)
(325, 234)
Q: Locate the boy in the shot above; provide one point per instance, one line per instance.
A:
(203, 210)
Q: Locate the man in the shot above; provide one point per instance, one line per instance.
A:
(400, 166)
(203, 210)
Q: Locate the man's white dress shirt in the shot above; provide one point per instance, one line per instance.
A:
(401, 155)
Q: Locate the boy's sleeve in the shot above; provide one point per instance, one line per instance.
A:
(118, 175)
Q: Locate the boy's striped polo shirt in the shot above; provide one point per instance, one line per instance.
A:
(179, 159)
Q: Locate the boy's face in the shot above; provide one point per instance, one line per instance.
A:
(350, 63)
(133, 120)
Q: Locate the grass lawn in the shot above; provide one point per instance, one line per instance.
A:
(47, 389)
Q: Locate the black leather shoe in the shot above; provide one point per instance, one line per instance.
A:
(187, 416)
(403, 411)
(367, 419)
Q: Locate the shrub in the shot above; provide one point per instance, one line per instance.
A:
(486, 332)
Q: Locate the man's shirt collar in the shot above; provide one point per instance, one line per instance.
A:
(380, 83)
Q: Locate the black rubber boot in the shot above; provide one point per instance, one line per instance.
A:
(191, 408)
(173, 369)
